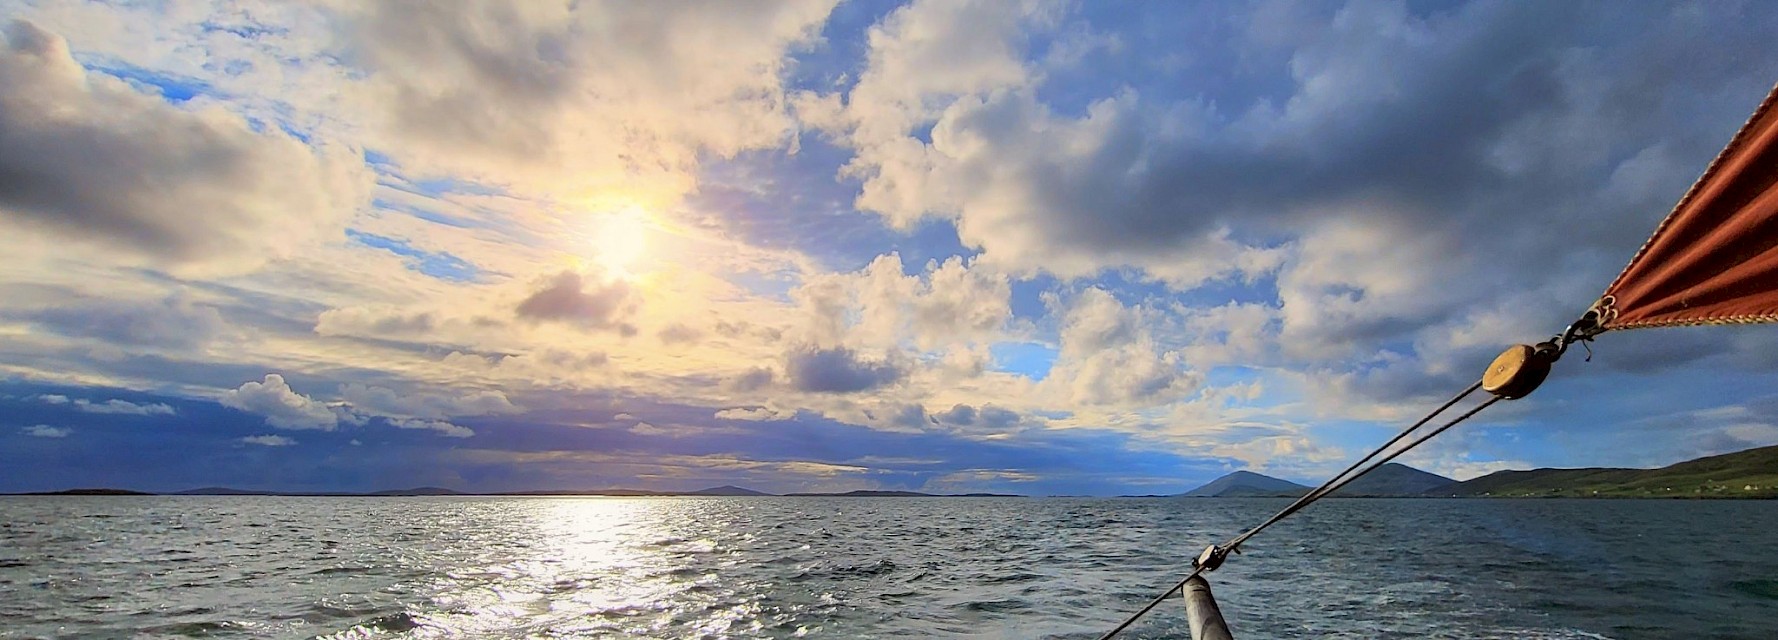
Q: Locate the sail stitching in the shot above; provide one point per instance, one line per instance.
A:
(1756, 318)
(1690, 193)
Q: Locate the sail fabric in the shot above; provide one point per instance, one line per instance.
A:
(1714, 260)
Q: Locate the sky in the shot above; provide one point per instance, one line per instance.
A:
(948, 246)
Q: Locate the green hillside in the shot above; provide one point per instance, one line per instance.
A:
(1747, 474)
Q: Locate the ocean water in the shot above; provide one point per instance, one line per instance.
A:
(259, 567)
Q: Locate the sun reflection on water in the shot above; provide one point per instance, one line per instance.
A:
(601, 567)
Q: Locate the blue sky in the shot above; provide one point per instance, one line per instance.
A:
(1033, 247)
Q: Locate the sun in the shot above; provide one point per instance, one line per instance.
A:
(620, 239)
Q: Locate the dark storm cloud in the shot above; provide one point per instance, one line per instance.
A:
(838, 370)
(1520, 149)
(1486, 114)
(990, 418)
(960, 415)
(89, 159)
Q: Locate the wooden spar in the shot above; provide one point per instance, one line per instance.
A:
(1201, 612)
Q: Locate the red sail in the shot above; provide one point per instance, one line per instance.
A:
(1714, 260)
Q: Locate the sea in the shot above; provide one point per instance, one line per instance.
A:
(830, 567)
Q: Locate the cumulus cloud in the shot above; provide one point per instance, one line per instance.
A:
(577, 97)
(583, 300)
(1406, 125)
(909, 417)
(1406, 149)
(920, 55)
(838, 370)
(269, 441)
(1109, 355)
(943, 304)
(282, 407)
(87, 159)
(1234, 333)
(46, 431)
(388, 402)
(987, 418)
(960, 415)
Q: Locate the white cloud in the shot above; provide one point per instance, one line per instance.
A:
(46, 431)
(1109, 355)
(388, 402)
(91, 161)
(1032, 190)
(282, 407)
(754, 413)
(919, 55)
(125, 407)
(442, 427)
(577, 97)
(944, 304)
(269, 441)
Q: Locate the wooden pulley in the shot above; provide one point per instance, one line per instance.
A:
(1516, 372)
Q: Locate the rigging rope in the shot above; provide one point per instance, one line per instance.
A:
(1328, 487)
(1213, 556)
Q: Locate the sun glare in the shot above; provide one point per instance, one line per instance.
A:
(621, 239)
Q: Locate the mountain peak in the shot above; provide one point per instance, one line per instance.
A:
(1393, 479)
(1246, 484)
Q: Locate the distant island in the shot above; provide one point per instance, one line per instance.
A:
(1749, 474)
(725, 490)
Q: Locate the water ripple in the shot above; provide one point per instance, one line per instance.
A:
(435, 568)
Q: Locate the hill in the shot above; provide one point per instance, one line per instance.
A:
(868, 494)
(90, 492)
(727, 490)
(1746, 474)
(417, 491)
(1247, 484)
(1393, 480)
(219, 491)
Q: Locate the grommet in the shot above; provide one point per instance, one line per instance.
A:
(1516, 372)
